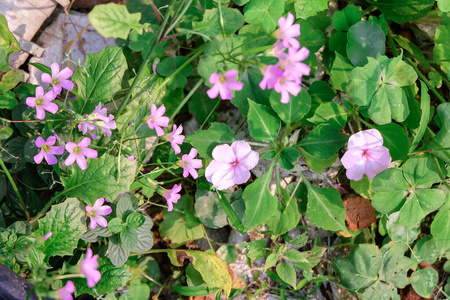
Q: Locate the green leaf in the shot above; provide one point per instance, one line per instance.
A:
(265, 13)
(201, 106)
(117, 252)
(323, 142)
(142, 42)
(360, 269)
(206, 140)
(8, 101)
(192, 290)
(230, 210)
(145, 237)
(116, 225)
(129, 238)
(440, 228)
(305, 9)
(420, 172)
(285, 218)
(127, 203)
(293, 111)
(66, 223)
(318, 165)
(399, 233)
(365, 39)
(256, 249)
(101, 179)
(5, 132)
(444, 5)
(321, 91)
(288, 157)
(424, 281)
(287, 273)
(138, 291)
(426, 250)
(8, 81)
(340, 72)
(42, 68)
(114, 20)
(443, 136)
(402, 11)
(442, 47)
(344, 19)
(209, 210)
(390, 189)
(228, 253)
(325, 208)
(395, 139)
(260, 205)
(308, 259)
(363, 187)
(262, 123)
(211, 24)
(8, 44)
(135, 220)
(413, 49)
(169, 65)
(311, 38)
(99, 78)
(330, 113)
(396, 265)
(381, 290)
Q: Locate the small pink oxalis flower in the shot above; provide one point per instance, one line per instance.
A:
(365, 155)
(79, 153)
(223, 85)
(189, 164)
(65, 293)
(176, 138)
(59, 80)
(231, 164)
(98, 119)
(156, 120)
(43, 102)
(97, 212)
(172, 196)
(48, 150)
(89, 267)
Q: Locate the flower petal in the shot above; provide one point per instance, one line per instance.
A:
(224, 153)
(365, 139)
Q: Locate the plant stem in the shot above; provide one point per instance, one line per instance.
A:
(16, 190)
(391, 43)
(49, 203)
(210, 113)
(188, 96)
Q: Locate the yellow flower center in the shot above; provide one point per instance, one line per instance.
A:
(39, 101)
(77, 150)
(45, 148)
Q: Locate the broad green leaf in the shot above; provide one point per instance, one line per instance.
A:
(169, 65)
(116, 225)
(293, 111)
(413, 49)
(99, 78)
(209, 210)
(399, 233)
(265, 13)
(323, 142)
(192, 290)
(365, 39)
(127, 203)
(395, 139)
(129, 238)
(211, 25)
(420, 171)
(114, 20)
(206, 140)
(112, 278)
(305, 9)
(360, 269)
(262, 123)
(145, 237)
(390, 189)
(338, 43)
(260, 205)
(228, 253)
(320, 91)
(285, 218)
(426, 250)
(8, 100)
(101, 179)
(330, 113)
(138, 291)
(288, 157)
(66, 223)
(142, 42)
(402, 11)
(311, 38)
(346, 18)
(424, 281)
(174, 227)
(8, 44)
(308, 259)
(251, 90)
(381, 290)
(444, 5)
(443, 136)
(363, 187)
(287, 273)
(396, 265)
(318, 165)
(442, 47)
(440, 228)
(8, 81)
(326, 209)
(117, 252)
(340, 72)
(5, 132)
(135, 220)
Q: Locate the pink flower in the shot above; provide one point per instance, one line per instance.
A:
(172, 196)
(231, 164)
(175, 138)
(286, 86)
(79, 152)
(97, 212)
(132, 158)
(43, 102)
(47, 235)
(189, 164)
(89, 267)
(292, 64)
(58, 79)
(365, 155)
(48, 151)
(98, 119)
(223, 84)
(272, 73)
(157, 119)
(288, 32)
(65, 293)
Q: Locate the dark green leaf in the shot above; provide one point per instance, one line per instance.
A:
(288, 157)
(340, 72)
(293, 111)
(344, 19)
(193, 290)
(117, 252)
(265, 13)
(323, 142)
(287, 273)
(394, 138)
(209, 210)
(330, 113)
(262, 122)
(129, 238)
(211, 25)
(365, 39)
(135, 220)
(401, 11)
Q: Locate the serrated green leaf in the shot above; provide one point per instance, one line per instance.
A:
(114, 20)
(365, 39)
(265, 13)
(287, 273)
(100, 179)
(117, 252)
(293, 111)
(135, 220)
(308, 259)
(262, 123)
(99, 78)
(116, 225)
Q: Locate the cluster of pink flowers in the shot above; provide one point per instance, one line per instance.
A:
(286, 76)
(98, 119)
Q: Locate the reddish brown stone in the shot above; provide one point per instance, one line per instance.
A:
(359, 212)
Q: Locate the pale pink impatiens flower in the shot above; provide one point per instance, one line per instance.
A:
(97, 212)
(156, 120)
(223, 84)
(43, 102)
(288, 32)
(89, 267)
(48, 150)
(172, 196)
(176, 138)
(58, 79)
(365, 155)
(79, 152)
(189, 164)
(231, 164)
(65, 293)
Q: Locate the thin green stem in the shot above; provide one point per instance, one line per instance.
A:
(16, 190)
(391, 43)
(293, 193)
(49, 203)
(210, 113)
(180, 15)
(206, 236)
(188, 96)
(70, 276)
